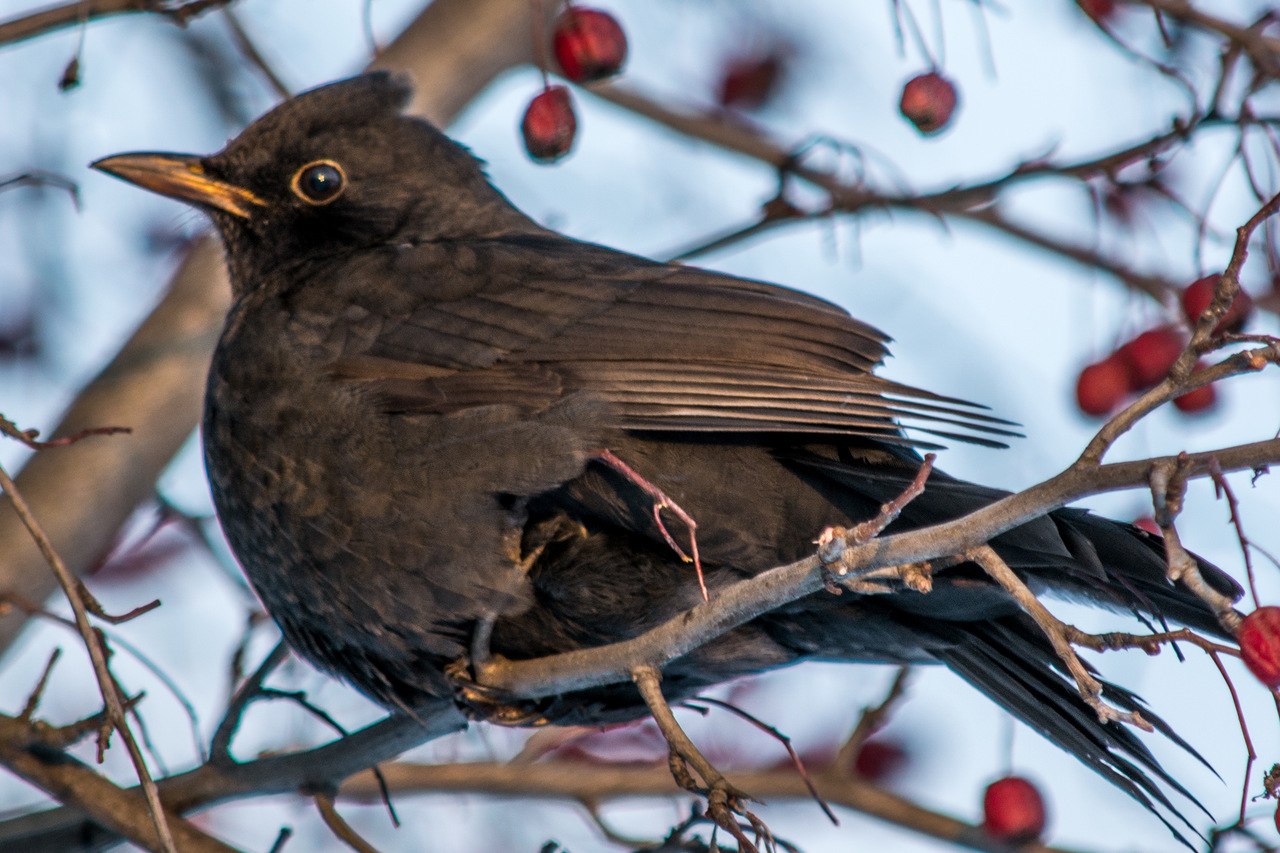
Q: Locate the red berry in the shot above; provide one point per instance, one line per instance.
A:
(1012, 810)
(1197, 296)
(1150, 355)
(1259, 638)
(549, 125)
(1102, 387)
(928, 102)
(879, 760)
(1200, 400)
(1148, 524)
(749, 81)
(1098, 10)
(589, 44)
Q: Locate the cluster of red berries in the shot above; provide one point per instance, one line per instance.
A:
(589, 45)
(1144, 361)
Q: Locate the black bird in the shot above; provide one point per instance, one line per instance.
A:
(411, 414)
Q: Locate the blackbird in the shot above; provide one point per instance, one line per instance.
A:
(428, 414)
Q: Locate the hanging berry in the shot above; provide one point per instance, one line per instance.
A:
(589, 44)
(928, 100)
(549, 125)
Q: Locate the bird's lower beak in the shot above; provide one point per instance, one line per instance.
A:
(180, 176)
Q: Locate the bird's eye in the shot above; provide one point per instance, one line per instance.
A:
(320, 182)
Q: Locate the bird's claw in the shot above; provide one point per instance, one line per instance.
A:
(479, 702)
(661, 502)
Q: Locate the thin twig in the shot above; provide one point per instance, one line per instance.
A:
(71, 14)
(29, 436)
(33, 701)
(777, 735)
(220, 747)
(111, 693)
(724, 802)
(251, 53)
(871, 720)
(339, 826)
(1089, 687)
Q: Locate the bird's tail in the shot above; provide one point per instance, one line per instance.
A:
(1011, 662)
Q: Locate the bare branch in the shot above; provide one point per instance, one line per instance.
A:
(123, 812)
(70, 14)
(94, 643)
(747, 599)
(576, 780)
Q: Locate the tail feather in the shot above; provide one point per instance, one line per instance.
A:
(1010, 661)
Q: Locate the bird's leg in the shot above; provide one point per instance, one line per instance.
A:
(481, 702)
(724, 801)
(1057, 633)
(661, 502)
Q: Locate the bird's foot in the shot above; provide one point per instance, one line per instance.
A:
(837, 554)
(485, 703)
(661, 502)
(917, 577)
(726, 804)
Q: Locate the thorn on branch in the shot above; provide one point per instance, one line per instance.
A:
(33, 701)
(39, 178)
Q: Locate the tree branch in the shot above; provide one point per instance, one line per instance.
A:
(750, 598)
(72, 14)
(320, 768)
(581, 780)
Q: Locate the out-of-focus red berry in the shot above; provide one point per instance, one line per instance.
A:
(589, 44)
(1150, 355)
(1013, 810)
(1102, 387)
(549, 125)
(1259, 638)
(880, 759)
(928, 101)
(1201, 399)
(1148, 524)
(749, 81)
(1197, 296)
(1100, 11)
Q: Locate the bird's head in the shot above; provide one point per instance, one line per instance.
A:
(334, 169)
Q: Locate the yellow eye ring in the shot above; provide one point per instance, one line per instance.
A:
(319, 182)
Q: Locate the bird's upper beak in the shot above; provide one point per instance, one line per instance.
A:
(180, 176)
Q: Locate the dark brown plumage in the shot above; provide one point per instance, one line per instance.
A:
(407, 401)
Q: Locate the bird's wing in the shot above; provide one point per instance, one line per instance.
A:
(670, 348)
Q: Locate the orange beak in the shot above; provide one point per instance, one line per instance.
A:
(180, 176)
